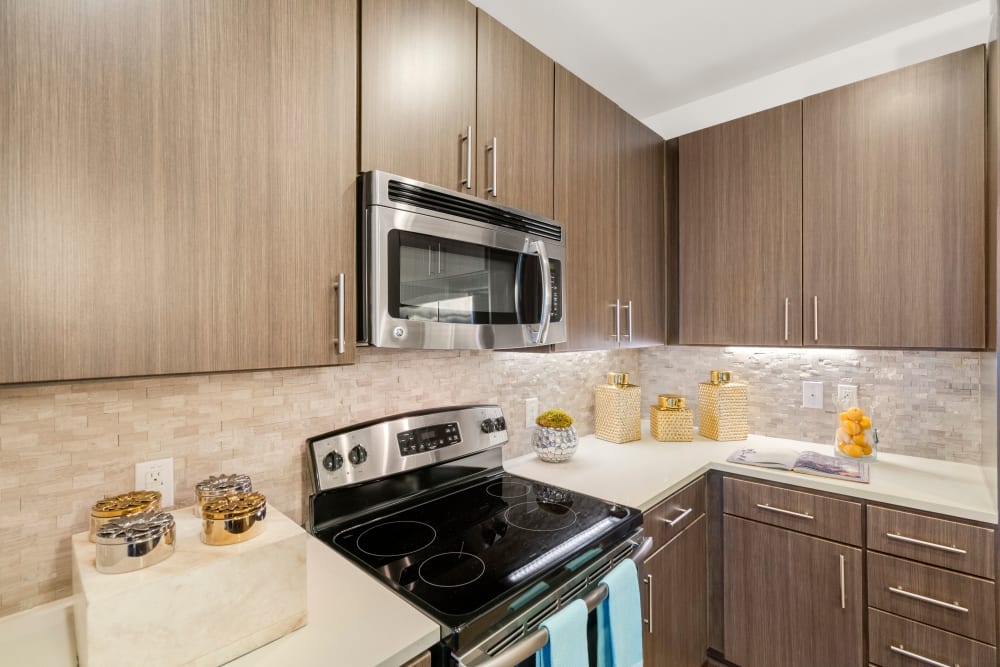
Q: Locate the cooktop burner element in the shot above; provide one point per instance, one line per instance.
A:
(396, 538)
(451, 569)
(540, 516)
(508, 489)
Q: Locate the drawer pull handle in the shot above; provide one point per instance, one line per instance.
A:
(843, 584)
(916, 656)
(674, 522)
(922, 543)
(788, 512)
(898, 590)
(649, 596)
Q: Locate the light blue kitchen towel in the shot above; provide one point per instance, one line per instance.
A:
(567, 645)
(619, 619)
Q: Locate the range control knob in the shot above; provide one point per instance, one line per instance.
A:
(333, 461)
(487, 426)
(358, 454)
(499, 424)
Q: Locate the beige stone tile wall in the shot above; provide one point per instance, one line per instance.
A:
(63, 446)
(928, 402)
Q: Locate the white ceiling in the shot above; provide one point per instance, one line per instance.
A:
(651, 56)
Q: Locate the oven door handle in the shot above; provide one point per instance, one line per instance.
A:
(545, 268)
(537, 640)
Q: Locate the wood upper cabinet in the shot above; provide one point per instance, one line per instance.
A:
(894, 229)
(641, 250)
(790, 599)
(176, 186)
(418, 90)
(514, 92)
(586, 203)
(740, 231)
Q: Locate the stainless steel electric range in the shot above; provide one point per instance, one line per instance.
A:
(421, 502)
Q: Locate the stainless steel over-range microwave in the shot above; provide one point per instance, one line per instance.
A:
(441, 270)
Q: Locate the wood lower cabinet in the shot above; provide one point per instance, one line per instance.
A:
(740, 231)
(514, 92)
(176, 186)
(791, 599)
(894, 226)
(418, 90)
(675, 618)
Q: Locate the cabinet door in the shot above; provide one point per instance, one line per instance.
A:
(586, 203)
(514, 93)
(176, 185)
(641, 223)
(740, 231)
(675, 601)
(418, 89)
(790, 599)
(894, 245)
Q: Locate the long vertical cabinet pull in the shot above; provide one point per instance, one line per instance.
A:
(467, 140)
(786, 318)
(340, 287)
(628, 321)
(816, 318)
(843, 585)
(617, 335)
(492, 149)
(649, 602)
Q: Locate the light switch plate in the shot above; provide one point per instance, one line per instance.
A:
(847, 395)
(812, 395)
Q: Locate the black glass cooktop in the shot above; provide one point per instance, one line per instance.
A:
(460, 552)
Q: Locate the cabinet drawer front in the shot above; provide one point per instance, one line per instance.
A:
(950, 544)
(948, 600)
(893, 641)
(808, 513)
(673, 515)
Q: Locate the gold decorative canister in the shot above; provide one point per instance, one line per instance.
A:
(219, 486)
(618, 409)
(124, 504)
(722, 408)
(235, 518)
(670, 421)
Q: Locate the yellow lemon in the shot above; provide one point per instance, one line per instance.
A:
(855, 451)
(843, 416)
(859, 439)
(855, 414)
(866, 423)
(852, 427)
(867, 449)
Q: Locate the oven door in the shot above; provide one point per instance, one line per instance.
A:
(437, 283)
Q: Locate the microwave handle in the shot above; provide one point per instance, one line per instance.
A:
(546, 269)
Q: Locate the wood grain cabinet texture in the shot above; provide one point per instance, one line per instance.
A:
(675, 581)
(418, 90)
(894, 226)
(177, 185)
(740, 231)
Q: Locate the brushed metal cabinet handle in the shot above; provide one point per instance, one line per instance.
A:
(843, 585)
(467, 181)
(617, 335)
(649, 599)
(341, 287)
(919, 658)
(816, 319)
(788, 512)
(954, 606)
(922, 543)
(786, 318)
(628, 321)
(492, 148)
(674, 522)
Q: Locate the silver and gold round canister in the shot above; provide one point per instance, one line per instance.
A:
(135, 541)
(219, 486)
(122, 505)
(235, 518)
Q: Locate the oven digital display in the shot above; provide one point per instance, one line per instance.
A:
(428, 438)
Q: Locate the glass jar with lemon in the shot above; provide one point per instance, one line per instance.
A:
(856, 436)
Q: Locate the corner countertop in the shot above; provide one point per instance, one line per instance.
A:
(642, 473)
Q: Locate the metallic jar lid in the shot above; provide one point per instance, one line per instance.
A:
(670, 402)
(133, 542)
(124, 504)
(719, 377)
(219, 486)
(235, 518)
(619, 378)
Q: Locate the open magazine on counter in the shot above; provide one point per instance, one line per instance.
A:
(809, 463)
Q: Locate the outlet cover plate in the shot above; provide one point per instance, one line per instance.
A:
(156, 475)
(812, 395)
(847, 394)
(530, 412)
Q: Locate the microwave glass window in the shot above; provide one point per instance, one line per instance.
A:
(441, 280)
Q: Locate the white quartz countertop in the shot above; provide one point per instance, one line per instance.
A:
(353, 620)
(642, 473)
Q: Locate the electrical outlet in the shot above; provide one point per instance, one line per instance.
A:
(530, 412)
(156, 476)
(847, 395)
(812, 395)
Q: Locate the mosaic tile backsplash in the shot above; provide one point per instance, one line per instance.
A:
(62, 446)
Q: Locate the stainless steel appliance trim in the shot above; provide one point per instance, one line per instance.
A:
(787, 512)
(493, 149)
(535, 641)
(467, 181)
(340, 287)
(954, 606)
(546, 271)
(922, 543)
(674, 522)
(919, 658)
